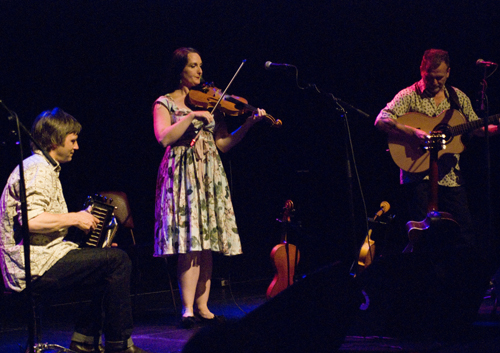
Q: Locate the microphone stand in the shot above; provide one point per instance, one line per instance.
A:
(24, 216)
(484, 108)
(348, 151)
(350, 163)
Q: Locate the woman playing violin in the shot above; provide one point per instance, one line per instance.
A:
(194, 213)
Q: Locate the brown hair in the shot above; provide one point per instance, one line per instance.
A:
(177, 65)
(51, 127)
(433, 58)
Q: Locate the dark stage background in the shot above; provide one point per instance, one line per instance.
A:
(105, 63)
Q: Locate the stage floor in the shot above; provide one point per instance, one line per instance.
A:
(156, 324)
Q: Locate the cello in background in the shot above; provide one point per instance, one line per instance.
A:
(285, 258)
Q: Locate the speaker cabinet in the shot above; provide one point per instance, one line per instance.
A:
(424, 295)
(312, 315)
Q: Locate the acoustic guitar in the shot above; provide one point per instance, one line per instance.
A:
(285, 258)
(450, 123)
(425, 234)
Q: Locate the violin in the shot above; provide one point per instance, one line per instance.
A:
(207, 96)
(367, 251)
(285, 257)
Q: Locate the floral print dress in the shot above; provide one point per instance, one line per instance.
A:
(193, 208)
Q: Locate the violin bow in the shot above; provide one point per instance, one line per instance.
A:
(218, 102)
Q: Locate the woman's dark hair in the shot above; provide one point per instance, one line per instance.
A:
(51, 127)
(177, 65)
(433, 58)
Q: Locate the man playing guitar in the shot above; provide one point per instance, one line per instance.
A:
(429, 99)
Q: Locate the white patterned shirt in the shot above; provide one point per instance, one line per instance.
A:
(43, 194)
(413, 99)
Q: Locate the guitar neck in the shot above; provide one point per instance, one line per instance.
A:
(473, 125)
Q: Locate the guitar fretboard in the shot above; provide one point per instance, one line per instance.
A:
(473, 125)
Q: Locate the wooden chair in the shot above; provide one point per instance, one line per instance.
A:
(122, 213)
(124, 217)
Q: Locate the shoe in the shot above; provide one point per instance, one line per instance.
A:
(85, 348)
(188, 322)
(133, 349)
(216, 320)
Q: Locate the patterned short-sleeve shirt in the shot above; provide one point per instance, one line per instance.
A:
(43, 194)
(414, 99)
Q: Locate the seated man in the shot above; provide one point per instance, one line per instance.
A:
(57, 264)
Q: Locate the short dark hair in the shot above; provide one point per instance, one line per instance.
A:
(177, 65)
(433, 58)
(51, 127)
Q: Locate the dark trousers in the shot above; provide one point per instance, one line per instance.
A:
(107, 273)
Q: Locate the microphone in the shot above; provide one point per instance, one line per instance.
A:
(272, 66)
(384, 207)
(481, 62)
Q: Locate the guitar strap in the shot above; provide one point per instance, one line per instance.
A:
(454, 102)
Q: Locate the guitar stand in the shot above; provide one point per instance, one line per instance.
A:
(492, 294)
(381, 222)
(50, 348)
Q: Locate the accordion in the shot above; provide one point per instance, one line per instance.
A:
(103, 234)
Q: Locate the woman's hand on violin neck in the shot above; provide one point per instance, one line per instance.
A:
(203, 116)
(256, 116)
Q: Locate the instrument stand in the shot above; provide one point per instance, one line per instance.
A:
(51, 348)
(31, 346)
